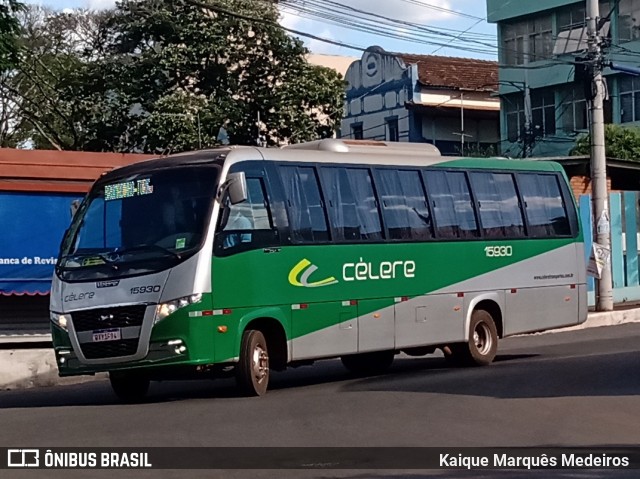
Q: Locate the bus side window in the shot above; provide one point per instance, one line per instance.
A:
(404, 205)
(306, 211)
(452, 206)
(498, 204)
(248, 224)
(544, 206)
(352, 206)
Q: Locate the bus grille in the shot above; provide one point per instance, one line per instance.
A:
(110, 349)
(106, 318)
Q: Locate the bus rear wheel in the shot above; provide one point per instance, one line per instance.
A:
(368, 363)
(482, 346)
(130, 388)
(252, 371)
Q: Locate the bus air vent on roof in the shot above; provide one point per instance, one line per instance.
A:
(367, 146)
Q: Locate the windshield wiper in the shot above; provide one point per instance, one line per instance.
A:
(151, 247)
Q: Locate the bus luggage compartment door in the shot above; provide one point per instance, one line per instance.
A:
(376, 325)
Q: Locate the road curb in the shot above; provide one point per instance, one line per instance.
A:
(609, 318)
(28, 368)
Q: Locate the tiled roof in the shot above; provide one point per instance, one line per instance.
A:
(57, 171)
(455, 73)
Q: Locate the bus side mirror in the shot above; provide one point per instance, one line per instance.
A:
(236, 184)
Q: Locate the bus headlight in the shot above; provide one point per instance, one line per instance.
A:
(60, 320)
(165, 309)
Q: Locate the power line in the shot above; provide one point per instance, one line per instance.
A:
(442, 9)
(333, 13)
(263, 21)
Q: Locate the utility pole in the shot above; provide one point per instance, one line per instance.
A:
(527, 137)
(462, 124)
(599, 193)
(462, 133)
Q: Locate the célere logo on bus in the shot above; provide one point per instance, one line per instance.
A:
(361, 271)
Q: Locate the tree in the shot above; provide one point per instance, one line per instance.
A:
(166, 75)
(620, 142)
(9, 33)
(42, 91)
(179, 72)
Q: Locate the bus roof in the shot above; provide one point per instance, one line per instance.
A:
(331, 151)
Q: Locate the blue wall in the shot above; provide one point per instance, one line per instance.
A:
(31, 228)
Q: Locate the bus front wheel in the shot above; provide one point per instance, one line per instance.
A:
(130, 388)
(252, 371)
(482, 346)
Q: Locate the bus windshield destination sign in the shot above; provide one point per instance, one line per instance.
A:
(128, 189)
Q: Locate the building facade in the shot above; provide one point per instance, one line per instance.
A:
(541, 83)
(445, 101)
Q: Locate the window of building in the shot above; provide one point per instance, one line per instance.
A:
(543, 112)
(543, 205)
(356, 131)
(352, 206)
(572, 28)
(574, 111)
(513, 106)
(570, 18)
(628, 20)
(629, 98)
(498, 205)
(452, 206)
(404, 205)
(527, 40)
(306, 213)
(392, 129)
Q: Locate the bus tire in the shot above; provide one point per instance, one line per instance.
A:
(252, 371)
(130, 388)
(368, 363)
(482, 346)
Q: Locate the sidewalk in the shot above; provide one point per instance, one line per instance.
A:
(25, 367)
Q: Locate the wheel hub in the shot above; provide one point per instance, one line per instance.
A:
(482, 338)
(260, 363)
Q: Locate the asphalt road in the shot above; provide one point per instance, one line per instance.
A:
(576, 388)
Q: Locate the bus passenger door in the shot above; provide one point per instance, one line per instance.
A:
(376, 325)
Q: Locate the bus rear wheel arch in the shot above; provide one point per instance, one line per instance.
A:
(482, 346)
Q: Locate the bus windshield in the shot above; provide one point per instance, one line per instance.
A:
(138, 224)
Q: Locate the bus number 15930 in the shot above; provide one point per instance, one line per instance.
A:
(498, 251)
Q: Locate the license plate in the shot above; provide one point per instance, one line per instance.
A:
(106, 335)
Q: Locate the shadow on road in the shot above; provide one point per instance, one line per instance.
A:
(597, 375)
(613, 374)
(405, 372)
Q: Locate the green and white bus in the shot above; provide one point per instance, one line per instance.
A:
(242, 260)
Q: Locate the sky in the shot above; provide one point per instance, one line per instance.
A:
(468, 15)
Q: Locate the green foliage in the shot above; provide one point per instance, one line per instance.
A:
(475, 150)
(621, 142)
(9, 33)
(165, 75)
